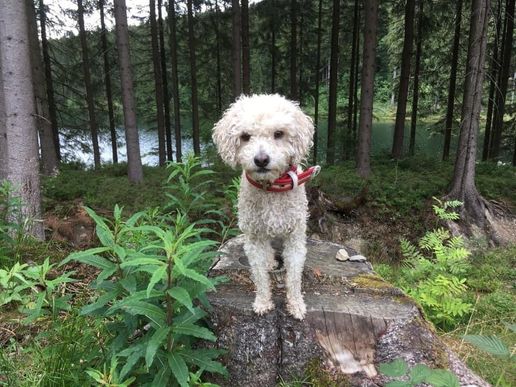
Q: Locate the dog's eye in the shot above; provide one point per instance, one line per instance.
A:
(278, 134)
(245, 137)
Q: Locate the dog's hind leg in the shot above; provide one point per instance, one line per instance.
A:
(294, 255)
(270, 257)
(257, 251)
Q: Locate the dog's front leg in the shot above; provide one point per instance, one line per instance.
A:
(294, 255)
(257, 251)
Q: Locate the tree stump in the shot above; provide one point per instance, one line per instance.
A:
(354, 322)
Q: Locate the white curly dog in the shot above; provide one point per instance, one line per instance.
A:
(268, 136)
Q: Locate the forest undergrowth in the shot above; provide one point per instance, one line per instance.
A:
(60, 343)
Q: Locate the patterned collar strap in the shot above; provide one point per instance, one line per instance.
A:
(288, 181)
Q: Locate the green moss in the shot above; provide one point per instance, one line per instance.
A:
(318, 376)
(371, 281)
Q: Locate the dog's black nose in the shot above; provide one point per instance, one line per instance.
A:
(262, 160)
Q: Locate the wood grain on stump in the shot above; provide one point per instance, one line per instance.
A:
(354, 322)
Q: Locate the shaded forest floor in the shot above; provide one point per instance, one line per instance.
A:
(397, 204)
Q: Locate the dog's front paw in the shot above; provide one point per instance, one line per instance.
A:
(261, 307)
(297, 308)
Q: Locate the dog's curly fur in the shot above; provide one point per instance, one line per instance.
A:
(269, 126)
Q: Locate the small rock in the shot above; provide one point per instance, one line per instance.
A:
(357, 258)
(342, 255)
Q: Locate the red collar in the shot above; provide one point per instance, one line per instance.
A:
(286, 182)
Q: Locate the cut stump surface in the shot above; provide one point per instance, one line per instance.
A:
(354, 322)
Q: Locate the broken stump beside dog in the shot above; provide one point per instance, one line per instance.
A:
(354, 322)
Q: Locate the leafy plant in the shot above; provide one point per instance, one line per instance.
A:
(32, 288)
(433, 272)
(494, 346)
(185, 187)
(151, 291)
(109, 378)
(418, 374)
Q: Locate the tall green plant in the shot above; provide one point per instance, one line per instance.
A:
(151, 291)
(434, 272)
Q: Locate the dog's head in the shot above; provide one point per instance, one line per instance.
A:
(263, 134)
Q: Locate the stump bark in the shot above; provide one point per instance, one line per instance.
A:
(355, 321)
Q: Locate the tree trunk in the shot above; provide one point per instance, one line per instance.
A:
(294, 86)
(415, 92)
(504, 80)
(90, 99)
(317, 80)
(493, 71)
(406, 57)
(354, 322)
(134, 162)
(302, 7)
(193, 75)
(49, 161)
(246, 52)
(164, 79)
(463, 183)
(18, 113)
(357, 64)
(107, 80)
(273, 46)
(367, 88)
(48, 77)
(215, 22)
(352, 75)
(334, 78)
(237, 48)
(175, 78)
(158, 83)
(453, 79)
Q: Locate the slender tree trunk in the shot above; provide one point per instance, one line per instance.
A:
(493, 71)
(164, 79)
(301, 10)
(193, 75)
(504, 80)
(107, 81)
(48, 77)
(367, 88)
(18, 113)
(158, 83)
(49, 161)
(332, 93)
(134, 162)
(453, 79)
(463, 183)
(273, 46)
(406, 56)
(237, 49)
(215, 22)
(357, 65)
(4, 168)
(90, 99)
(246, 52)
(354, 49)
(294, 86)
(175, 78)
(417, 69)
(317, 80)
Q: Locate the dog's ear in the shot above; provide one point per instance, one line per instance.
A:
(302, 138)
(225, 138)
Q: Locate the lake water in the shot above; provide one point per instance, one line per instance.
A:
(78, 147)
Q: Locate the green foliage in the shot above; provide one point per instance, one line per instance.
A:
(151, 291)
(433, 272)
(109, 378)
(11, 223)
(416, 375)
(490, 344)
(33, 290)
